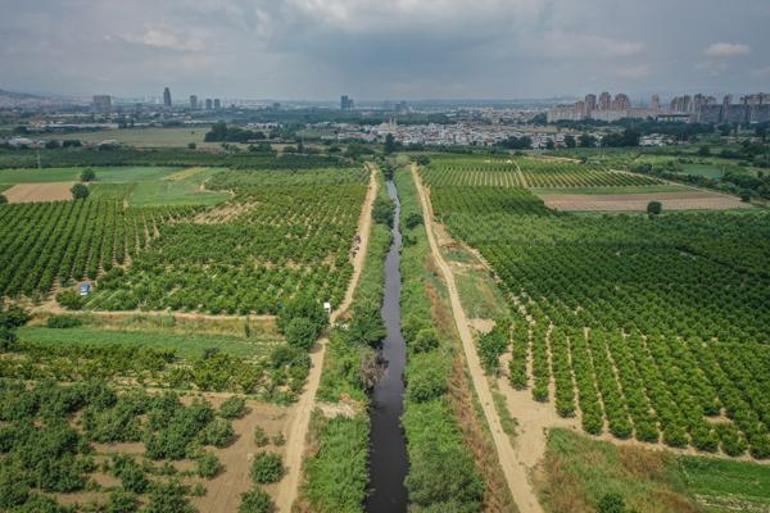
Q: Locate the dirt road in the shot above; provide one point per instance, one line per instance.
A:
(516, 473)
(297, 435)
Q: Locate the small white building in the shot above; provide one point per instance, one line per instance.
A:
(85, 288)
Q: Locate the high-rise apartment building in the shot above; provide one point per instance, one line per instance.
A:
(346, 102)
(621, 102)
(102, 103)
(605, 101)
(193, 102)
(209, 104)
(580, 109)
(590, 101)
(167, 97)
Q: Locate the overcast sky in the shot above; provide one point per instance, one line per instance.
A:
(319, 49)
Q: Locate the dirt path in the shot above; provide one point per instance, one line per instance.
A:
(297, 435)
(516, 473)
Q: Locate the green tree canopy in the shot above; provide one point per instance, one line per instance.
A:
(87, 175)
(654, 208)
(79, 191)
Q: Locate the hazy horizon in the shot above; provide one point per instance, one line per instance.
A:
(395, 49)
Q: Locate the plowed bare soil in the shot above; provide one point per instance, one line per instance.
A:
(38, 192)
(686, 200)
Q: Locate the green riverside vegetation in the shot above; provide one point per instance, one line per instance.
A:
(433, 436)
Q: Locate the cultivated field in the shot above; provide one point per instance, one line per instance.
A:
(148, 137)
(58, 243)
(39, 192)
(279, 228)
(562, 174)
(623, 321)
(94, 446)
(529, 173)
(277, 236)
(163, 390)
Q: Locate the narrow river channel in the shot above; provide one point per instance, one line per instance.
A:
(388, 462)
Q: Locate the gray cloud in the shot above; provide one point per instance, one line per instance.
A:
(317, 49)
(727, 50)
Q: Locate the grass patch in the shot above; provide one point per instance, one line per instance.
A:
(705, 170)
(727, 479)
(186, 174)
(578, 471)
(132, 174)
(186, 345)
(142, 186)
(169, 192)
(458, 255)
(149, 137)
(13, 176)
(508, 423)
(111, 191)
(72, 174)
(181, 325)
(145, 187)
(481, 298)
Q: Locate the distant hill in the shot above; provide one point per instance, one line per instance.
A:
(19, 96)
(13, 99)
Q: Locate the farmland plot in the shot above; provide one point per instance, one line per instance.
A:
(476, 172)
(687, 200)
(654, 329)
(89, 446)
(39, 192)
(283, 232)
(528, 172)
(42, 243)
(125, 410)
(560, 174)
(278, 233)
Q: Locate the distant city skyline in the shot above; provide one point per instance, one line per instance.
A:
(184, 99)
(750, 108)
(394, 49)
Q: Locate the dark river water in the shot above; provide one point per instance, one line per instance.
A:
(388, 462)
